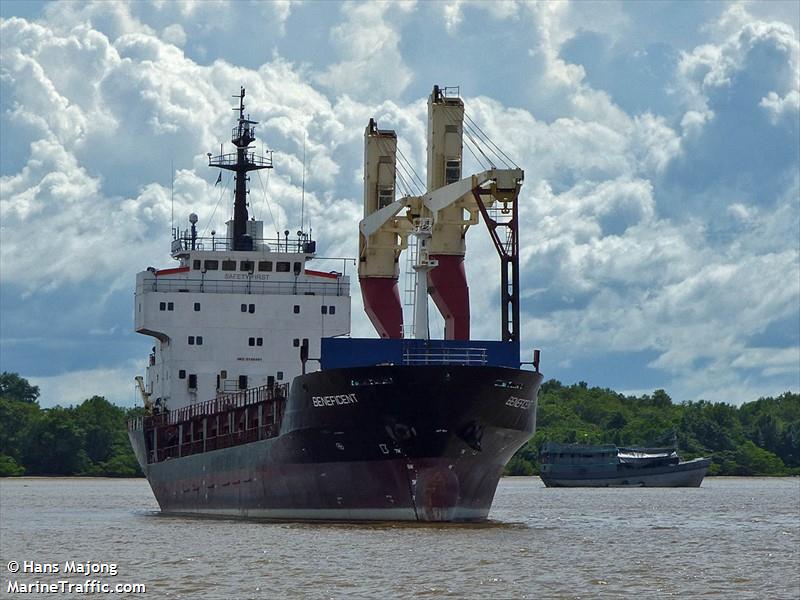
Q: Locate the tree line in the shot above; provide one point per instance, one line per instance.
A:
(757, 438)
(90, 439)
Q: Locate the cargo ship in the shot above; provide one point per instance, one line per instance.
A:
(606, 465)
(259, 404)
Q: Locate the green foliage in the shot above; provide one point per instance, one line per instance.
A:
(14, 387)
(16, 417)
(89, 439)
(757, 438)
(9, 467)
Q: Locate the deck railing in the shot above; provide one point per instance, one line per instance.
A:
(248, 286)
(444, 356)
(209, 408)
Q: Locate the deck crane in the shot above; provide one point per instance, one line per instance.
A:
(444, 213)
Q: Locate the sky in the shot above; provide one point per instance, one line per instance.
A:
(660, 213)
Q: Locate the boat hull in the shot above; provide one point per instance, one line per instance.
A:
(417, 443)
(685, 474)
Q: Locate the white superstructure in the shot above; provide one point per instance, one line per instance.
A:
(225, 320)
(237, 312)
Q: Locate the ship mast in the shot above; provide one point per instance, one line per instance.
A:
(241, 163)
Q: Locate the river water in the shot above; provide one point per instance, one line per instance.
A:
(731, 538)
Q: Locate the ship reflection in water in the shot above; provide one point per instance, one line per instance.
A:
(731, 538)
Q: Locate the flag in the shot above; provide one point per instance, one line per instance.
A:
(219, 178)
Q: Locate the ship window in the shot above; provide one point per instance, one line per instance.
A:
(251, 341)
(242, 382)
(170, 306)
(196, 307)
(244, 307)
(297, 268)
(212, 265)
(324, 310)
(279, 376)
(452, 171)
(182, 374)
(251, 308)
(196, 265)
(297, 309)
(332, 310)
(192, 383)
(265, 265)
(385, 196)
(296, 342)
(282, 267)
(246, 265)
(223, 374)
(228, 265)
(162, 306)
(259, 341)
(191, 340)
(199, 340)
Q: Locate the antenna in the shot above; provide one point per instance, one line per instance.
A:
(172, 195)
(303, 193)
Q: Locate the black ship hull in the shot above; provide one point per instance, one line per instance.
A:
(425, 443)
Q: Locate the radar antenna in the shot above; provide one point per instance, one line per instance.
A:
(241, 162)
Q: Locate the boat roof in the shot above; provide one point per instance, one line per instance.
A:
(556, 447)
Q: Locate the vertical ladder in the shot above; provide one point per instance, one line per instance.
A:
(410, 292)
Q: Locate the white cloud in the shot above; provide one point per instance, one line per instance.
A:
(772, 44)
(777, 106)
(114, 383)
(368, 41)
(174, 34)
(609, 262)
(453, 11)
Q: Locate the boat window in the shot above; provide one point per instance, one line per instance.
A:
(297, 309)
(199, 340)
(196, 265)
(324, 309)
(251, 308)
(182, 374)
(170, 306)
(228, 265)
(452, 171)
(279, 376)
(191, 340)
(282, 267)
(242, 382)
(223, 374)
(259, 341)
(251, 341)
(296, 342)
(196, 307)
(332, 310)
(192, 383)
(298, 268)
(212, 265)
(265, 265)
(385, 196)
(244, 307)
(162, 306)
(246, 265)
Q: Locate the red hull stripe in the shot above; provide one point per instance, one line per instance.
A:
(322, 274)
(172, 271)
